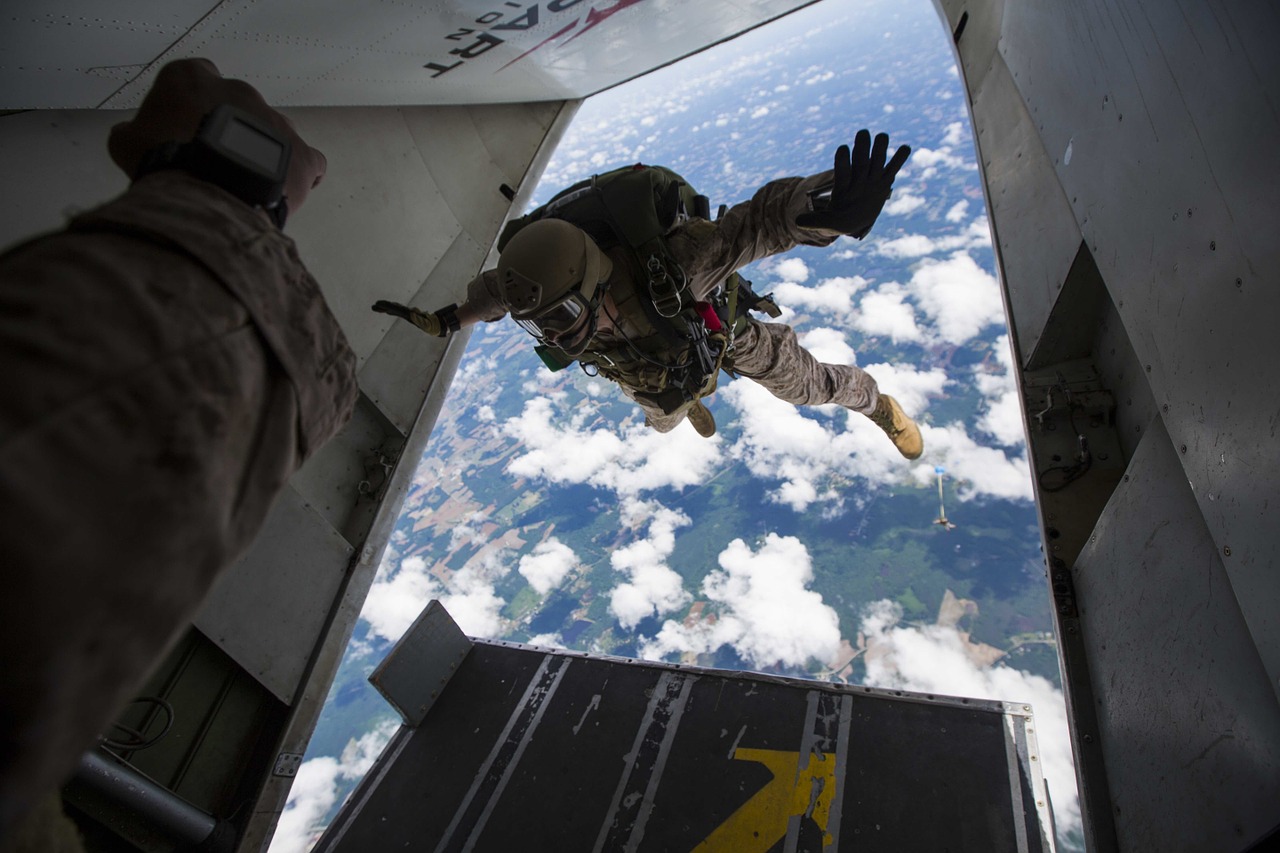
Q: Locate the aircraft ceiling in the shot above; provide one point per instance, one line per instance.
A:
(85, 54)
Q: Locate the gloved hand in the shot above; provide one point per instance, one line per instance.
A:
(395, 309)
(433, 323)
(862, 185)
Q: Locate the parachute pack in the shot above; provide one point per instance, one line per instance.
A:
(686, 343)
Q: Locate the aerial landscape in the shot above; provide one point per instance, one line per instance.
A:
(796, 541)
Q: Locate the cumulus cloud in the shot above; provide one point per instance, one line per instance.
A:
(885, 312)
(980, 470)
(960, 297)
(958, 211)
(957, 133)
(766, 611)
(558, 447)
(933, 659)
(1002, 418)
(547, 641)
(828, 346)
(404, 587)
(976, 235)
(813, 462)
(832, 295)
(931, 160)
(315, 789)
(903, 203)
(652, 588)
(548, 565)
(792, 270)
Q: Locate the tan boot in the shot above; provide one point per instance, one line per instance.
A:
(702, 419)
(902, 431)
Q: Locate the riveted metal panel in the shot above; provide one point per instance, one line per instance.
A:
(1162, 122)
(1035, 234)
(268, 610)
(1188, 724)
(416, 671)
(77, 53)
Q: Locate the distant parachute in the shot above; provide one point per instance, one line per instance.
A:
(942, 508)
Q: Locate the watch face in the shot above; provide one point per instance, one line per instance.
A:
(253, 145)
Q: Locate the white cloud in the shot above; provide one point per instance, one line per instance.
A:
(315, 789)
(627, 459)
(766, 612)
(956, 134)
(903, 203)
(828, 346)
(960, 297)
(548, 565)
(1002, 418)
(760, 112)
(404, 587)
(958, 211)
(833, 295)
(467, 531)
(792, 270)
(933, 659)
(980, 470)
(547, 641)
(884, 311)
(652, 588)
(976, 235)
(932, 160)
(813, 462)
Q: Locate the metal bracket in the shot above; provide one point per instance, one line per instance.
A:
(418, 668)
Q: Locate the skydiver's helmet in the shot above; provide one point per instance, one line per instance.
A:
(551, 276)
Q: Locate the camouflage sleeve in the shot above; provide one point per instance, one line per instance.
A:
(749, 231)
(168, 365)
(482, 302)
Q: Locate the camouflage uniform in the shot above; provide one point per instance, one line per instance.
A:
(708, 252)
(168, 364)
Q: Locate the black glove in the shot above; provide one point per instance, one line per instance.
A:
(395, 309)
(862, 185)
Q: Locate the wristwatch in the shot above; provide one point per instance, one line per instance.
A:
(236, 151)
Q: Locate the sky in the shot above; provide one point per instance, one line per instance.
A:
(943, 292)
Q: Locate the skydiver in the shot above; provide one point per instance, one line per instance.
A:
(596, 304)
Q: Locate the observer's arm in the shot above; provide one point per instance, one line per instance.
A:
(168, 364)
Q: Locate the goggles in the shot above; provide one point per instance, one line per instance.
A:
(559, 319)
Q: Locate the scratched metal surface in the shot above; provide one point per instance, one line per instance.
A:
(535, 750)
(84, 53)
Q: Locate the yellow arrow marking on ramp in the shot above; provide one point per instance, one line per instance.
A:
(761, 821)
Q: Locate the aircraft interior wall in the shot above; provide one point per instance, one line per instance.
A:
(1126, 151)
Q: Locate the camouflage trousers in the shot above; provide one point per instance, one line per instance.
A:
(769, 355)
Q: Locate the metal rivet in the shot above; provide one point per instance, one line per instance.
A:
(1182, 448)
(1148, 368)
(1213, 245)
(1088, 738)
(1226, 550)
(1126, 478)
(1239, 282)
(1165, 408)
